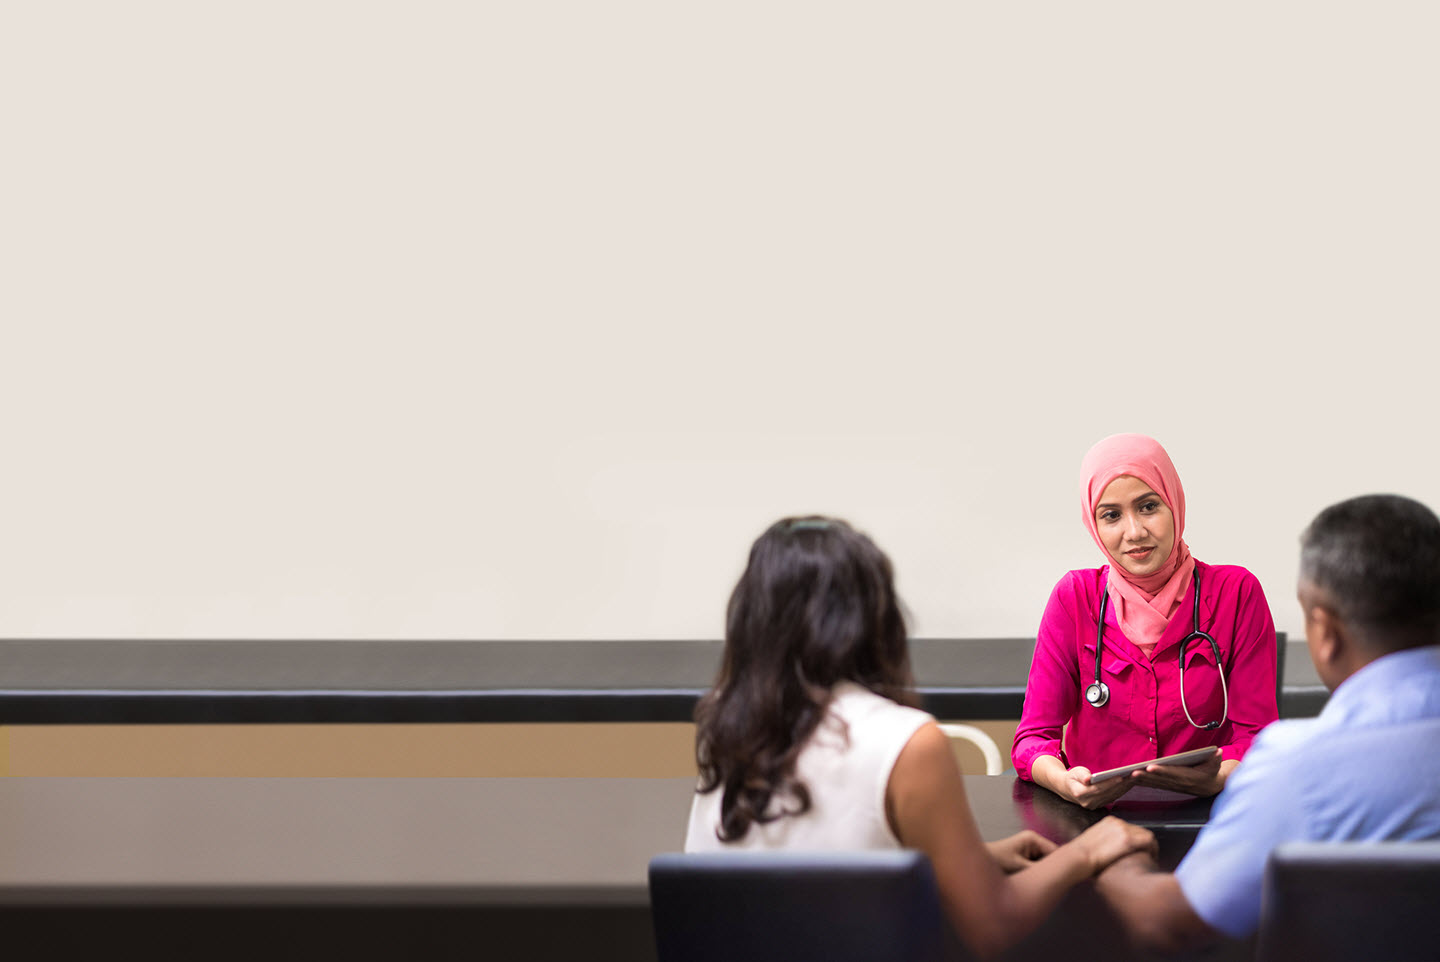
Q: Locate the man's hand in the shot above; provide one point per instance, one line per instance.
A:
(1151, 906)
(1020, 850)
(1112, 838)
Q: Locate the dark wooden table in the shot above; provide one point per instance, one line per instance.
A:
(352, 868)
(115, 681)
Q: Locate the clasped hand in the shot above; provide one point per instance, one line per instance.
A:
(1020, 850)
(1104, 842)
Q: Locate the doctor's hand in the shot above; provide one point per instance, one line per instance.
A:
(1074, 783)
(1020, 850)
(1204, 779)
(1078, 789)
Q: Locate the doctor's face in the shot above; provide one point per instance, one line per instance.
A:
(1135, 525)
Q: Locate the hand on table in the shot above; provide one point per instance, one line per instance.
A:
(1113, 838)
(1020, 850)
(1203, 779)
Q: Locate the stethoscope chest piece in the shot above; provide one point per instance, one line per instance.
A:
(1098, 694)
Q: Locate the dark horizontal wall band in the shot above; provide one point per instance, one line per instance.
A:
(974, 704)
(271, 707)
(281, 707)
(134, 681)
(160, 708)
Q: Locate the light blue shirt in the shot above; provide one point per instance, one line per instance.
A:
(1366, 769)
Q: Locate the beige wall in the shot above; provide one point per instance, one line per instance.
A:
(650, 750)
(512, 320)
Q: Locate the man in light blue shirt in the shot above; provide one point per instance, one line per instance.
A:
(1366, 769)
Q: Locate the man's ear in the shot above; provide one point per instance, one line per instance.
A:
(1330, 642)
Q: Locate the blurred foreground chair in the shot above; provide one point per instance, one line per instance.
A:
(980, 740)
(1352, 900)
(877, 906)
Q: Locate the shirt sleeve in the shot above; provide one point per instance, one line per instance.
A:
(1260, 807)
(1251, 675)
(1052, 689)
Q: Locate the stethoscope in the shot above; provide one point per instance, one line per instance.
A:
(1099, 693)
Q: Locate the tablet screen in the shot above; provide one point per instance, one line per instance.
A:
(1193, 757)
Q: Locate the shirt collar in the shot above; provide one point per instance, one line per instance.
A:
(1397, 686)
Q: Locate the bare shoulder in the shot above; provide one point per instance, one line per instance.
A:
(926, 760)
(925, 796)
(927, 742)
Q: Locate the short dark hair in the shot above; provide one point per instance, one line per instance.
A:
(1377, 557)
(816, 606)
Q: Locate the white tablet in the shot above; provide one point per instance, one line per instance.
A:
(1193, 757)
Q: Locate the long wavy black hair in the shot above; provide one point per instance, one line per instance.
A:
(816, 606)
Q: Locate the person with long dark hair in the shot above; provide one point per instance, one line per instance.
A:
(810, 740)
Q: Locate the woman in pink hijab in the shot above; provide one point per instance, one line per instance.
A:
(1168, 620)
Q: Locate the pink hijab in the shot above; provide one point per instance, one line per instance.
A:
(1143, 606)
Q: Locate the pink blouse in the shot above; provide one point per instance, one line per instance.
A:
(1143, 718)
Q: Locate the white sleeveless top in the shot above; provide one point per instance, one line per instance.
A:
(847, 779)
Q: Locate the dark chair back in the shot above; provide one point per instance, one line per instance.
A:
(1352, 900)
(792, 906)
(1279, 671)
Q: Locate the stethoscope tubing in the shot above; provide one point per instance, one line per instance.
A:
(1099, 692)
